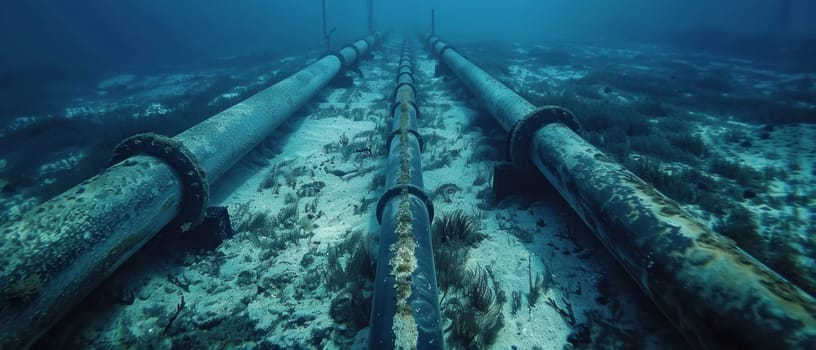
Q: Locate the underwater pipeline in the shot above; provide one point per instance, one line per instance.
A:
(405, 306)
(59, 251)
(714, 293)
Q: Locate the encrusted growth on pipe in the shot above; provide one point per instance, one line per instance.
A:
(714, 293)
(196, 189)
(405, 307)
(59, 251)
(719, 280)
(404, 178)
(403, 261)
(521, 133)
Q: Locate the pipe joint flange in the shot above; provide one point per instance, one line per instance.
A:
(396, 133)
(396, 90)
(520, 135)
(396, 191)
(195, 188)
(442, 50)
(409, 74)
(412, 103)
(357, 53)
(340, 57)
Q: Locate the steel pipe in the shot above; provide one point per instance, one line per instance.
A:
(714, 293)
(59, 251)
(405, 306)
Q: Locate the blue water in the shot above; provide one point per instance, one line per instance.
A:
(730, 83)
(52, 46)
(89, 37)
(57, 55)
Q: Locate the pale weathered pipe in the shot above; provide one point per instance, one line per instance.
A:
(222, 140)
(713, 292)
(59, 251)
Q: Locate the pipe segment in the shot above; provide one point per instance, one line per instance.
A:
(59, 251)
(714, 293)
(404, 69)
(405, 307)
(406, 78)
(406, 92)
(221, 141)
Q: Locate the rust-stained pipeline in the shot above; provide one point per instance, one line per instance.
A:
(717, 295)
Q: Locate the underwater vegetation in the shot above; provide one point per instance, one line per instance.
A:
(354, 282)
(703, 130)
(674, 157)
(456, 229)
(787, 53)
(471, 299)
(476, 316)
(299, 271)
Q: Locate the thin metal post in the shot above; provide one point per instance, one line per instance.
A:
(326, 35)
(433, 23)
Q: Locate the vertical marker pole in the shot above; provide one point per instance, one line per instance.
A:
(325, 34)
(433, 23)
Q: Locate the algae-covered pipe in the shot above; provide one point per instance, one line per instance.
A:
(716, 295)
(405, 305)
(58, 252)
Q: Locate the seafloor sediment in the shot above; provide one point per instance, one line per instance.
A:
(297, 273)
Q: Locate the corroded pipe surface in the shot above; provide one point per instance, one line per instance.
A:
(717, 295)
(713, 292)
(59, 251)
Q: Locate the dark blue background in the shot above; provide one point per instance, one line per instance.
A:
(64, 40)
